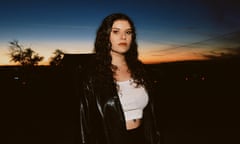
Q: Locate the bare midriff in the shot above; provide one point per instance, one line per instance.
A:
(132, 124)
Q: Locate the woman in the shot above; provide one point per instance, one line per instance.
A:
(116, 100)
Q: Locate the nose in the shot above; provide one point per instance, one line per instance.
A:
(123, 36)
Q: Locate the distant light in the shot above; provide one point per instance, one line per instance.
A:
(203, 78)
(16, 78)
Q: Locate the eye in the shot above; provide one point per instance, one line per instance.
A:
(115, 31)
(129, 32)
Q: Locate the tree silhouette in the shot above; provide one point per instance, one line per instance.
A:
(57, 58)
(23, 56)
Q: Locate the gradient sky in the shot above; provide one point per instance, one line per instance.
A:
(167, 30)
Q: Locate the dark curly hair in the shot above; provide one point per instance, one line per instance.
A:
(102, 50)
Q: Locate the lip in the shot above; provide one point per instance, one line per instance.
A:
(122, 44)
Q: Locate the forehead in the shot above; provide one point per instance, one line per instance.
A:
(121, 24)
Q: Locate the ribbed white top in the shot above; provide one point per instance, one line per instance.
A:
(133, 99)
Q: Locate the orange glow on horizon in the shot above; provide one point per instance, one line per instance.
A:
(170, 59)
(149, 53)
(149, 59)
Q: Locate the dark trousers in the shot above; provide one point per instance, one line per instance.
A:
(136, 136)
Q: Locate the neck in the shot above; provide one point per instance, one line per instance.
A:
(118, 59)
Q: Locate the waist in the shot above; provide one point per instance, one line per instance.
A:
(133, 124)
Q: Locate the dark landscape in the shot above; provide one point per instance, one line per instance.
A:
(197, 102)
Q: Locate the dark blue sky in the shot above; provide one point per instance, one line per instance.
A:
(167, 30)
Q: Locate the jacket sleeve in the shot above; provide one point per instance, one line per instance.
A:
(83, 92)
(85, 121)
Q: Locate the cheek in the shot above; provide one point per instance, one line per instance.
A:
(129, 39)
(113, 41)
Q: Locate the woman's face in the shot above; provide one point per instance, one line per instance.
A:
(121, 36)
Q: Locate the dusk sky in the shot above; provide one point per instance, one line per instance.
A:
(167, 30)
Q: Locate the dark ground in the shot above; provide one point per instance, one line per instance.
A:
(197, 103)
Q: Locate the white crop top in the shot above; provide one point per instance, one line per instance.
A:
(133, 99)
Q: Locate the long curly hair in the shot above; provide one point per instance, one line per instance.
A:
(102, 49)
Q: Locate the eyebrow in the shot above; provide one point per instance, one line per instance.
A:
(119, 28)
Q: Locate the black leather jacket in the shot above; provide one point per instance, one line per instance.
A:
(101, 115)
